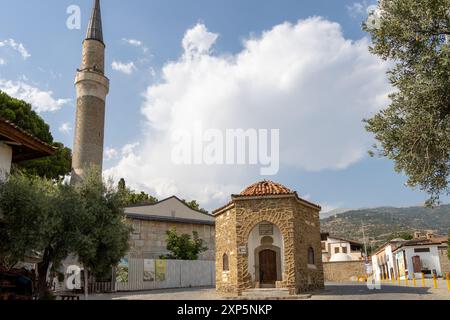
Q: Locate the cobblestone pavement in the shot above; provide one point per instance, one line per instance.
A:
(332, 291)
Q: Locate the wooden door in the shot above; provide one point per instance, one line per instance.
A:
(268, 266)
(417, 264)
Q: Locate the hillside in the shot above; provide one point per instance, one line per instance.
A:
(381, 223)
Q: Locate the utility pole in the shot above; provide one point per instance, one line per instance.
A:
(364, 239)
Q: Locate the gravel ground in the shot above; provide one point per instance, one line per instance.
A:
(332, 291)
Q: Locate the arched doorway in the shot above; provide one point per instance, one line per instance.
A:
(266, 255)
(268, 267)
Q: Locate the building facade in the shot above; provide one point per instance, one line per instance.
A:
(411, 258)
(150, 224)
(268, 237)
(92, 86)
(335, 249)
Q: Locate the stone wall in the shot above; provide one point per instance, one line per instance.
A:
(148, 241)
(445, 262)
(343, 271)
(307, 235)
(226, 281)
(300, 227)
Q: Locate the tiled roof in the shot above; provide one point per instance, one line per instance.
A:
(261, 189)
(264, 188)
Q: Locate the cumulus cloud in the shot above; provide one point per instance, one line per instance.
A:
(305, 79)
(40, 100)
(2, 62)
(65, 128)
(17, 46)
(127, 68)
(359, 9)
(198, 40)
(110, 154)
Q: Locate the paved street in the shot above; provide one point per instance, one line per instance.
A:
(333, 291)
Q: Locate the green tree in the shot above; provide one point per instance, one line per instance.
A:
(53, 167)
(39, 216)
(56, 220)
(414, 130)
(184, 247)
(105, 233)
(131, 197)
(194, 205)
(21, 114)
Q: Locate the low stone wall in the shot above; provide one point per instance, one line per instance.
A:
(343, 271)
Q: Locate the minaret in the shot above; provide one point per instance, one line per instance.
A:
(92, 87)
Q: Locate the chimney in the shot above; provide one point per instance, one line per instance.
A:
(430, 235)
(417, 235)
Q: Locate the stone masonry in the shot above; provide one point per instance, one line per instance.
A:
(148, 240)
(297, 220)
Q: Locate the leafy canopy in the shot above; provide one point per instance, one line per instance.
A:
(183, 247)
(414, 130)
(21, 113)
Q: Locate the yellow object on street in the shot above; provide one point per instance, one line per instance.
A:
(435, 281)
(447, 276)
(423, 280)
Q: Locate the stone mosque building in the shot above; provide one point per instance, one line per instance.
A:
(268, 237)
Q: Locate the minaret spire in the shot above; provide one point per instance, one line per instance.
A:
(95, 31)
(92, 88)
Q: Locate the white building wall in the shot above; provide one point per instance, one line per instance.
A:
(430, 260)
(5, 159)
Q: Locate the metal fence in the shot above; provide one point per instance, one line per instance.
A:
(168, 274)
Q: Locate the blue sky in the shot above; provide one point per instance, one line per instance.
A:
(42, 70)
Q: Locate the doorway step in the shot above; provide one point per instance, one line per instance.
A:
(271, 294)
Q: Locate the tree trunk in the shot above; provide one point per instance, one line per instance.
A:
(42, 274)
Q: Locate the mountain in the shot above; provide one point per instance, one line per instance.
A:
(333, 213)
(382, 223)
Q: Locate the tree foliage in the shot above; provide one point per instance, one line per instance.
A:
(105, 233)
(184, 247)
(21, 114)
(414, 130)
(131, 197)
(54, 220)
(194, 205)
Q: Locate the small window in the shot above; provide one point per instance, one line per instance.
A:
(336, 250)
(225, 263)
(323, 246)
(311, 258)
(418, 250)
(344, 249)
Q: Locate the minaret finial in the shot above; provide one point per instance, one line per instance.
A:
(95, 24)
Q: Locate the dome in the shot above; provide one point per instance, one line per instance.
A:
(341, 257)
(264, 188)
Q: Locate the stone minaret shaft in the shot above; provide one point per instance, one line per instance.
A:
(92, 87)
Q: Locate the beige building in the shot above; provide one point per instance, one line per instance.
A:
(268, 237)
(151, 222)
(335, 249)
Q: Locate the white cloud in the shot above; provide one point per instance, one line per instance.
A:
(110, 154)
(2, 62)
(17, 46)
(65, 128)
(127, 68)
(359, 9)
(198, 41)
(136, 43)
(305, 79)
(41, 101)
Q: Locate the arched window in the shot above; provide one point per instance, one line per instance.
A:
(311, 258)
(225, 263)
